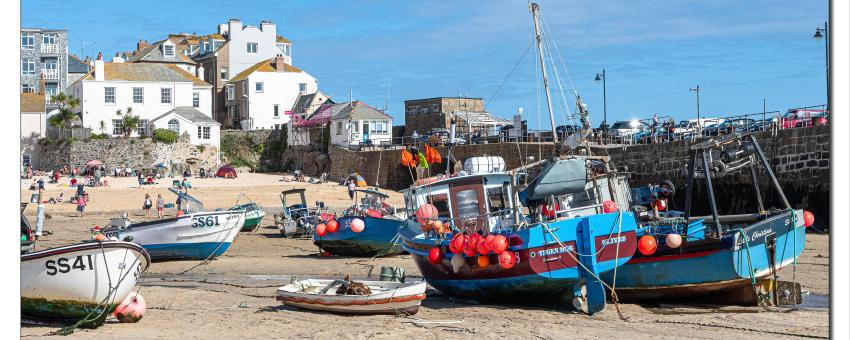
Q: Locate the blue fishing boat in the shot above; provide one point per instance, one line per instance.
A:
(718, 259)
(378, 235)
(557, 254)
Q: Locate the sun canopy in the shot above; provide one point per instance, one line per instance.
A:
(358, 180)
(226, 171)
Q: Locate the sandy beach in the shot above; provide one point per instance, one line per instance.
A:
(233, 296)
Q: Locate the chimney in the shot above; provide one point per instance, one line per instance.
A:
(266, 26)
(98, 68)
(279, 63)
(200, 71)
(142, 45)
(41, 84)
(117, 58)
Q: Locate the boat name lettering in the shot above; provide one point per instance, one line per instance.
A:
(613, 240)
(61, 265)
(553, 251)
(760, 233)
(204, 221)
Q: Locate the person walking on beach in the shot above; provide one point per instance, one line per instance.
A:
(29, 171)
(82, 201)
(351, 187)
(160, 204)
(97, 175)
(140, 179)
(147, 205)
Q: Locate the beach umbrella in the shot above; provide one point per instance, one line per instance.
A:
(94, 162)
(358, 180)
(226, 171)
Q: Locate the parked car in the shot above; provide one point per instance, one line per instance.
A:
(804, 118)
(739, 125)
(623, 130)
(692, 125)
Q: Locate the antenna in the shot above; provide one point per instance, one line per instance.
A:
(387, 101)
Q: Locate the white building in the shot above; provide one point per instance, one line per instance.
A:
(356, 123)
(33, 128)
(262, 96)
(249, 45)
(150, 89)
(185, 119)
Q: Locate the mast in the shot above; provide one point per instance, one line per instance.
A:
(534, 11)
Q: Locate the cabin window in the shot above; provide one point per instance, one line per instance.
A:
(496, 196)
(441, 202)
(467, 203)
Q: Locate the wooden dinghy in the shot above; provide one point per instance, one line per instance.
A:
(386, 297)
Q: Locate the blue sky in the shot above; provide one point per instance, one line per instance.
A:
(653, 51)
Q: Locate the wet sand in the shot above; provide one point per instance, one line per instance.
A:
(233, 296)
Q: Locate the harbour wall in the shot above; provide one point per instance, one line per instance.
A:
(799, 158)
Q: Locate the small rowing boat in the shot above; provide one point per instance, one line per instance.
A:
(385, 297)
(80, 282)
(375, 233)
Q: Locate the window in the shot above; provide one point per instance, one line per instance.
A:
(193, 49)
(441, 202)
(168, 50)
(435, 108)
(27, 88)
(223, 73)
(27, 41)
(117, 127)
(138, 95)
(165, 95)
(229, 90)
(206, 132)
(426, 110)
(355, 127)
(276, 111)
(339, 128)
(142, 128)
(26, 160)
(27, 67)
(286, 49)
(252, 48)
(496, 197)
(206, 47)
(199, 132)
(215, 44)
(258, 87)
(277, 126)
(302, 87)
(467, 203)
(174, 125)
(109, 95)
(49, 38)
(196, 99)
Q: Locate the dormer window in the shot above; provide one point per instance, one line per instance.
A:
(252, 48)
(206, 46)
(193, 49)
(168, 50)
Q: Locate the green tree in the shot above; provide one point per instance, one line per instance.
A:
(130, 121)
(66, 117)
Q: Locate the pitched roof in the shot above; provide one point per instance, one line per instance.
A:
(146, 72)
(358, 110)
(153, 53)
(32, 102)
(281, 39)
(76, 65)
(190, 113)
(263, 66)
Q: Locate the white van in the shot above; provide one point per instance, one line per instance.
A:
(691, 125)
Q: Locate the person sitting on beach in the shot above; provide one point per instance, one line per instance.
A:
(105, 183)
(73, 181)
(202, 173)
(57, 199)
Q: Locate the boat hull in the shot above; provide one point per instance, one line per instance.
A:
(195, 236)
(544, 269)
(252, 220)
(402, 298)
(717, 272)
(375, 239)
(68, 283)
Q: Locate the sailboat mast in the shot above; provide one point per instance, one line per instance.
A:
(534, 12)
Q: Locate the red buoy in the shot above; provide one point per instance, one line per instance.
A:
(482, 247)
(435, 255)
(456, 245)
(647, 245)
(507, 260)
(489, 241)
(808, 218)
(499, 244)
(321, 229)
(332, 226)
(468, 249)
(661, 204)
(609, 207)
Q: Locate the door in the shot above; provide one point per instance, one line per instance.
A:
(365, 133)
(469, 207)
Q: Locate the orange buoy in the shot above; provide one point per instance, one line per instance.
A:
(507, 260)
(808, 218)
(483, 261)
(435, 255)
(320, 229)
(100, 237)
(332, 226)
(647, 245)
(179, 213)
(437, 227)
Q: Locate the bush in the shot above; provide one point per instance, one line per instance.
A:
(200, 148)
(99, 136)
(164, 135)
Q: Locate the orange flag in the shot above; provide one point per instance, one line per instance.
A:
(432, 155)
(407, 159)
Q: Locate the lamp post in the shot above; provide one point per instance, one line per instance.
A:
(824, 33)
(699, 121)
(604, 98)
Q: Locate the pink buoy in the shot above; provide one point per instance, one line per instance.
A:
(609, 207)
(357, 225)
(673, 240)
(131, 309)
(426, 212)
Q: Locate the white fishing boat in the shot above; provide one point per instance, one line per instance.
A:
(193, 235)
(80, 281)
(386, 297)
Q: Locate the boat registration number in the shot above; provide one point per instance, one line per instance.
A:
(204, 221)
(64, 265)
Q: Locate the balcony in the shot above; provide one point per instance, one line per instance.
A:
(50, 74)
(50, 49)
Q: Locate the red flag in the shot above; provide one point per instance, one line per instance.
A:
(407, 159)
(432, 155)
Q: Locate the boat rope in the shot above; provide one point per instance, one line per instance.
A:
(702, 324)
(212, 254)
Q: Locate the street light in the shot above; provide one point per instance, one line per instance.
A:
(824, 33)
(699, 121)
(604, 99)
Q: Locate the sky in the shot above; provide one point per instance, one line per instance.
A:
(384, 52)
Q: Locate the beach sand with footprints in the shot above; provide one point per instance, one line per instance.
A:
(233, 296)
